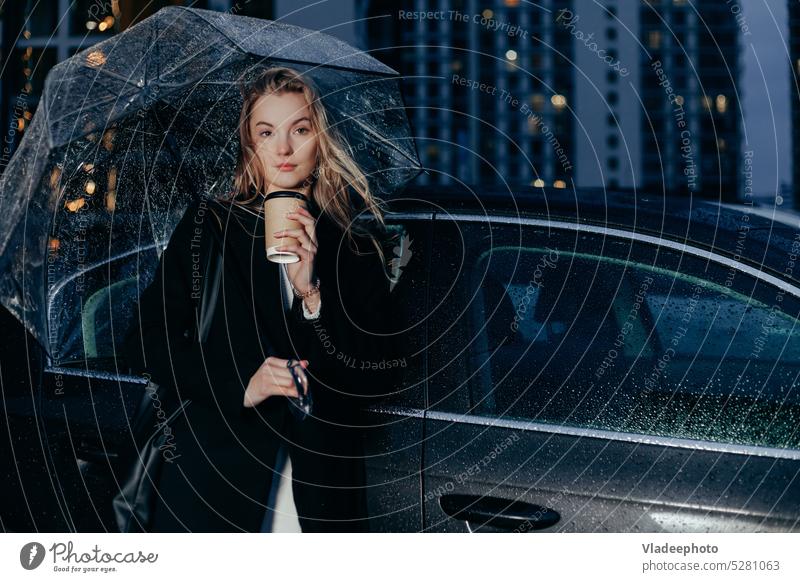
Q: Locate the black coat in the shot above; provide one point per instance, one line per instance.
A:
(222, 453)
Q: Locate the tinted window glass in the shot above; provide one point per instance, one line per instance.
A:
(593, 331)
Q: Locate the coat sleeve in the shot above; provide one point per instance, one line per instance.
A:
(162, 338)
(350, 350)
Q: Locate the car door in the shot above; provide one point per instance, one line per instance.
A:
(86, 405)
(71, 431)
(393, 429)
(588, 379)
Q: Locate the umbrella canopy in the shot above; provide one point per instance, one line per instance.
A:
(131, 129)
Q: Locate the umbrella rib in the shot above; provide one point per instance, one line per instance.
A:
(100, 101)
(214, 68)
(110, 73)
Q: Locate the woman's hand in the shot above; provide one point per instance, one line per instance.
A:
(273, 378)
(301, 273)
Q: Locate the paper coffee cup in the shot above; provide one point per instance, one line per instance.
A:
(276, 206)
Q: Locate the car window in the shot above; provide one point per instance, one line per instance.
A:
(90, 312)
(595, 331)
(112, 291)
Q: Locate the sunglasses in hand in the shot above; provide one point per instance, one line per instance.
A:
(300, 406)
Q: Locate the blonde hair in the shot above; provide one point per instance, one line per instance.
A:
(336, 169)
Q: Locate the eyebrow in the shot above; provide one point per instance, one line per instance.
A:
(293, 123)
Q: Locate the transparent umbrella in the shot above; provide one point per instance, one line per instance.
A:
(130, 130)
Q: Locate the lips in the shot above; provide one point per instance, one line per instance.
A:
(286, 167)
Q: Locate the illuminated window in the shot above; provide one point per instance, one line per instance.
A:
(654, 39)
(722, 103)
(559, 184)
(558, 101)
(75, 205)
(707, 102)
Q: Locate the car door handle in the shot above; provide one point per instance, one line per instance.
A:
(497, 512)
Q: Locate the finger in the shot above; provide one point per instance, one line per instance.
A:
(290, 391)
(306, 257)
(282, 362)
(282, 371)
(309, 223)
(303, 253)
(295, 381)
(298, 234)
(305, 219)
(278, 374)
(295, 232)
(280, 381)
(311, 226)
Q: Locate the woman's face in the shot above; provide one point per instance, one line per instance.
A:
(284, 140)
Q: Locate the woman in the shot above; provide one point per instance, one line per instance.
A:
(223, 449)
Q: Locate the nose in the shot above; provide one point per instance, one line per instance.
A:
(282, 145)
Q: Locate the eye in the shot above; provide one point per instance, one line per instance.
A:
(302, 130)
(265, 133)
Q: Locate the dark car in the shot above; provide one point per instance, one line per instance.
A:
(570, 361)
